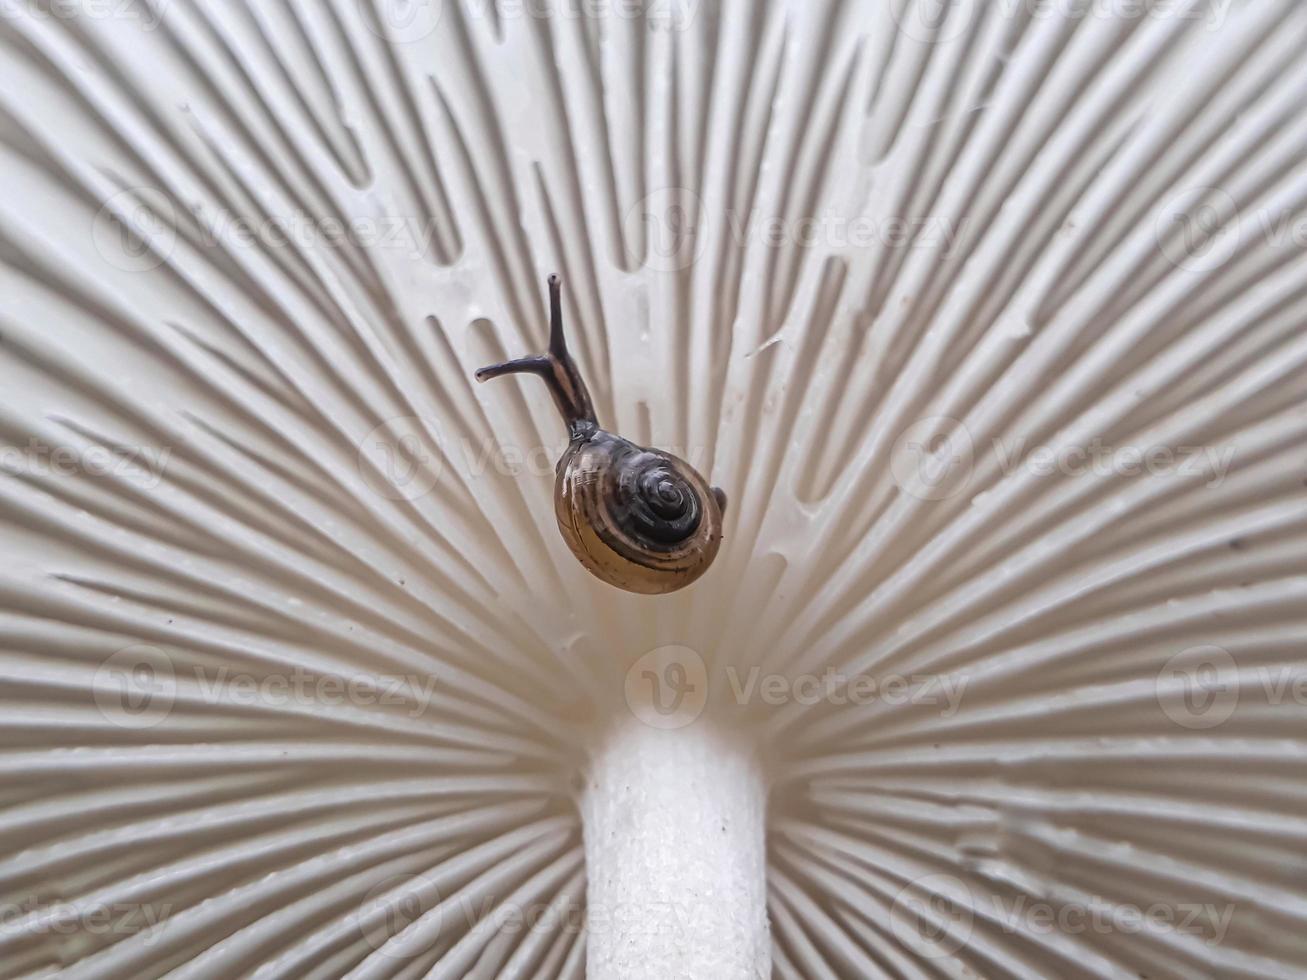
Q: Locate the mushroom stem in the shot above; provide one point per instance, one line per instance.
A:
(675, 853)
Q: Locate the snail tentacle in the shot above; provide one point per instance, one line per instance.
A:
(557, 367)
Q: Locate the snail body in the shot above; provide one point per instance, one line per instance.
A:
(640, 519)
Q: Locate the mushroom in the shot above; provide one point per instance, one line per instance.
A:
(990, 324)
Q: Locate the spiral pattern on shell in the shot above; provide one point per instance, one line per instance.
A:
(652, 500)
(637, 518)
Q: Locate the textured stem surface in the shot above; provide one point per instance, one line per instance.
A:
(675, 853)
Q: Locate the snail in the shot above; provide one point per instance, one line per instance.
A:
(640, 519)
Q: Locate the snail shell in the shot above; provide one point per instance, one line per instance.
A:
(640, 519)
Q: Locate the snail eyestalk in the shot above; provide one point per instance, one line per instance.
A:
(557, 367)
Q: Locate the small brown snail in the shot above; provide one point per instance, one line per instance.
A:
(640, 519)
